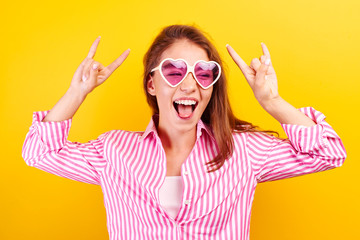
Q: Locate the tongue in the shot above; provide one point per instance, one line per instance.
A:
(184, 110)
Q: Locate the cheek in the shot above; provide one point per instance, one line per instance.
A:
(206, 95)
(163, 92)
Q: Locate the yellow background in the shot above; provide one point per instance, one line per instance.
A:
(315, 52)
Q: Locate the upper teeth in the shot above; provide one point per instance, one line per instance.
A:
(185, 102)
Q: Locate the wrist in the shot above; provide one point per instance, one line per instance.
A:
(76, 94)
(273, 104)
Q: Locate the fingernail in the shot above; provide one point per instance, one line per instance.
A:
(227, 45)
(84, 78)
(267, 61)
(94, 66)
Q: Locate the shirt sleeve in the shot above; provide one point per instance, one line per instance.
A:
(46, 147)
(307, 150)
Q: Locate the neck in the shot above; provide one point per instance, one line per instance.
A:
(174, 140)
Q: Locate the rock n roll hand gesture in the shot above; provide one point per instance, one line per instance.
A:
(87, 77)
(262, 79)
(91, 73)
(260, 75)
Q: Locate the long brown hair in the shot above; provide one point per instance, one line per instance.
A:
(218, 113)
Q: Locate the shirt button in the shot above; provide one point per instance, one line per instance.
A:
(186, 172)
(187, 202)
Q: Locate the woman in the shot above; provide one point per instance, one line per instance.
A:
(193, 172)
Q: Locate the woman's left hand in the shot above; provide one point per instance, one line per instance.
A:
(260, 75)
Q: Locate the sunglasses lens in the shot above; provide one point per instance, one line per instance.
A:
(206, 73)
(174, 71)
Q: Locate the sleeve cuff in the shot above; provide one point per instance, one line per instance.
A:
(53, 134)
(309, 139)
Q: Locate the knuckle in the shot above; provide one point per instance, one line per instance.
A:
(88, 64)
(94, 66)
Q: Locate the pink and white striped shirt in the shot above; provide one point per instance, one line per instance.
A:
(131, 167)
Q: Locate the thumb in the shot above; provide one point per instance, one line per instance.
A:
(261, 73)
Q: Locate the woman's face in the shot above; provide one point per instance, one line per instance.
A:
(174, 111)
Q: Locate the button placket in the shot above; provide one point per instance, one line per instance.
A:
(186, 200)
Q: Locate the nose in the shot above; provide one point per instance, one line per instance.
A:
(189, 84)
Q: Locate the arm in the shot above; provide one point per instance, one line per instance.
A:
(307, 150)
(312, 145)
(46, 145)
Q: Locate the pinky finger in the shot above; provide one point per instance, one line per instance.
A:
(114, 65)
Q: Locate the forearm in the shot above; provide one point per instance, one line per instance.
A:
(285, 113)
(66, 107)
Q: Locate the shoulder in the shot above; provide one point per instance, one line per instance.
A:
(116, 135)
(255, 138)
(121, 137)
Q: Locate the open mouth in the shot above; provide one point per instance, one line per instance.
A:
(185, 108)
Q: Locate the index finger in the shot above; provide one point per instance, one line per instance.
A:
(93, 47)
(237, 59)
(265, 50)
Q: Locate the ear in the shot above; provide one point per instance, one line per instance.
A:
(151, 85)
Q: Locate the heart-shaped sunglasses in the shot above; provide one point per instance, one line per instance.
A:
(174, 71)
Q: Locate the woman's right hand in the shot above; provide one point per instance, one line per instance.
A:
(91, 73)
(85, 79)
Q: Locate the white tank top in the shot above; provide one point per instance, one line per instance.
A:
(170, 195)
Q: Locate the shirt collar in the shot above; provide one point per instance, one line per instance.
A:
(151, 128)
